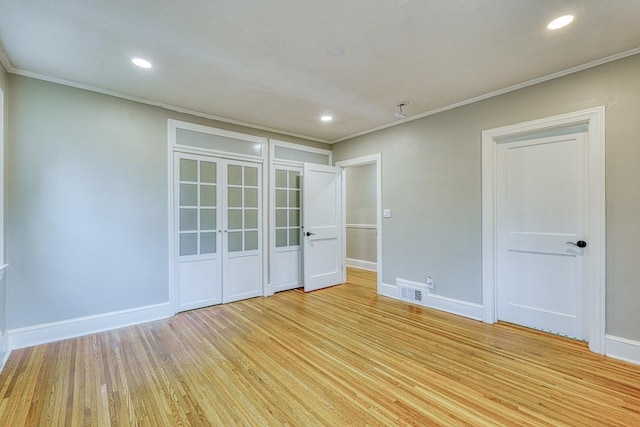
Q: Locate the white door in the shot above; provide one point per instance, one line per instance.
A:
(242, 237)
(286, 253)
(322, 226)
(197, 189)
(542, 222)
(218, 229)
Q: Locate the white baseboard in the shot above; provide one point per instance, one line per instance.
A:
(5, 349)
(363, 265)
(622, 349)
(56, 331)
(450, 305)
(437, 302)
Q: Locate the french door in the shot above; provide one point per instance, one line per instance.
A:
(218, 230)
(286, 217)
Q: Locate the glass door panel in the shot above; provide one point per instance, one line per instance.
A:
(243, 207)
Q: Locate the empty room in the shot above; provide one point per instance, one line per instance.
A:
(319, 213)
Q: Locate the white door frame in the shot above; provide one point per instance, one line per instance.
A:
(173, 146)
(595, 273)
(361, 161)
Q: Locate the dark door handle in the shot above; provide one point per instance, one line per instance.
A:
(308, 233)
(579, 243)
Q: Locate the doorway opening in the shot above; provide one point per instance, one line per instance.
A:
(362, 214)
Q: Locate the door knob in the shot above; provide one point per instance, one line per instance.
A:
(308, 233)
(579, 243)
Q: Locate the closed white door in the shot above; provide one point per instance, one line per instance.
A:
(242, 237)
(542, 218)
(198, 218)
(218, 229)
(286, 252)
(322, 226)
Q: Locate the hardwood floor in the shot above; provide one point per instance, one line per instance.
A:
(335, 357)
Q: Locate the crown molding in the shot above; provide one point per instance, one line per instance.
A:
(5, 61)
(515, 87)
(146, 101)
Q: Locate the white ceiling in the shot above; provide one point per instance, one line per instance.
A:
(264, 62)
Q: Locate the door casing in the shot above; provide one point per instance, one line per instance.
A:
(595, 273)
(172, 147)
(361, 161)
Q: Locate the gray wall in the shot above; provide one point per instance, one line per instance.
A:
(4, 84)
(431, 181)
(361, 209)
(87, 202)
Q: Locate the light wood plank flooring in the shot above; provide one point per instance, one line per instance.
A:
(336, 357)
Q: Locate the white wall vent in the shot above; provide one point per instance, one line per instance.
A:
(411, 294)
(412, 291)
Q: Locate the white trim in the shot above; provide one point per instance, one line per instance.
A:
(5, 61)
(362, 265)
(622, 349)
(361, 161)
(267, 290)
(5, 349)
(179, 124)
(2, 269)
(2, 174)
(56, 331)
(499, 92)
(437, 302)
(362, 226)
(172, 264)
(216, 153)
(595, 275)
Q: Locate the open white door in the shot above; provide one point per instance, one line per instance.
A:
(322, 222)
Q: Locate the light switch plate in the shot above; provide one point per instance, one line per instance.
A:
(386, 213)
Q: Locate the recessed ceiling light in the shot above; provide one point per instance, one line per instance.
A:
(326, 118)
(560, 22)
(142, 63)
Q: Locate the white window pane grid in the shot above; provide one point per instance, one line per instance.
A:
(197, 208)
(287, 187)
(242, 210)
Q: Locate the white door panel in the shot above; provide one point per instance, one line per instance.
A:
(197, 289)
(542, 205)
(322, 214)
(285, 274)
(243, 278)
